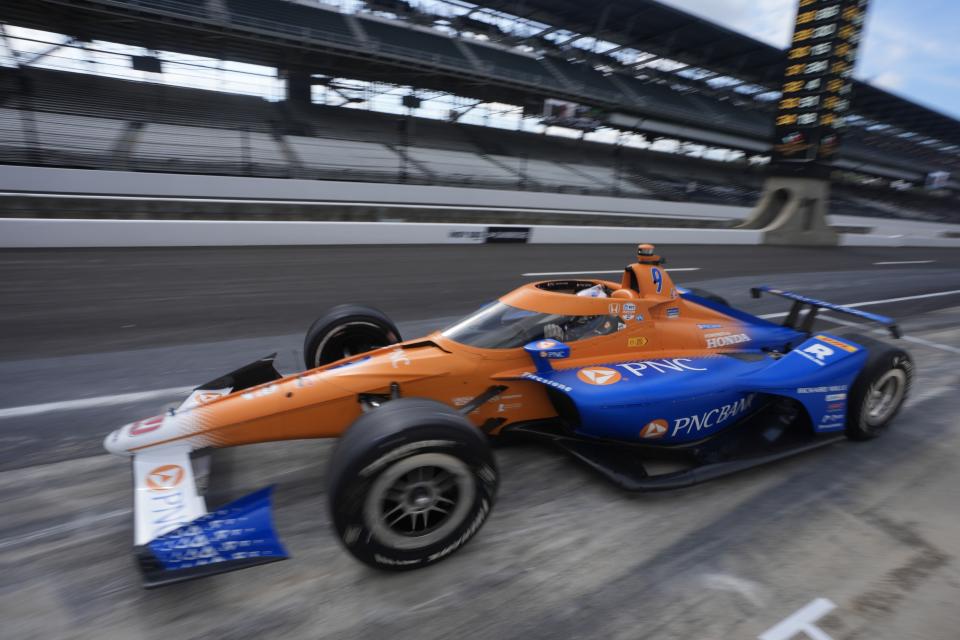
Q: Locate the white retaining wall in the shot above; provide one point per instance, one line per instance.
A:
(93, 184)
(895, 232)
(183, 187)
(36, 233)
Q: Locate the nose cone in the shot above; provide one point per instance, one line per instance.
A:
(136, 434)
(114, 444)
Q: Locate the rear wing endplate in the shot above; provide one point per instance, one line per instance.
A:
(812, 306)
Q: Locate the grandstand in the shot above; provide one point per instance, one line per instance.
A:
(71, 118)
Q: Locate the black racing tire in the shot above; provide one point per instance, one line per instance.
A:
(880, 389)
(345, 330)
(712, 297)
(409, 460)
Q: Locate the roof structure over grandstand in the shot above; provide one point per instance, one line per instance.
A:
(657, 28)
(675, 34)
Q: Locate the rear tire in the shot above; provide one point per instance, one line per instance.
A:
(410, 483)
(347, 330)
(880, 390)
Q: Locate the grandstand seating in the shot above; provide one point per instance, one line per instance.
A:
(878, 203)
(85, 94)
(606, 177)
(510, 65)
(13, 135)
(346, 158)
(57, 138)
(262, 29)
(462, 167)
(427, 44)
(295, 18)
(587, 80)
(147, 127)
(162, 147)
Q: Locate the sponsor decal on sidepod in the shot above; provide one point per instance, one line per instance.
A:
(816, 353)
(836, 387)
(679, 365)
(712, 418)
(601, 376)
(655, 429)
(840, 344)
(726, 341)
(550, 383)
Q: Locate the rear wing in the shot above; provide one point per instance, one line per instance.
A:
(812, 306)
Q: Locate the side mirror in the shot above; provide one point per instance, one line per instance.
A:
(543, 351)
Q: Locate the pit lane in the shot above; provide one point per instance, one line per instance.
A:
(871, 526)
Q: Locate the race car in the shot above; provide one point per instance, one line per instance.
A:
(649, 384)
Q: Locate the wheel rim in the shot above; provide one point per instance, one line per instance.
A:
(348, 340)
(884, 397)
(419, 501)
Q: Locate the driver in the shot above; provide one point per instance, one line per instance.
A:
(582, 327)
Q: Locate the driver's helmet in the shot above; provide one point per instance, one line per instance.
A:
(579, 327)
(596, 291)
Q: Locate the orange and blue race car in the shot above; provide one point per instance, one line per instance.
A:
(617, 374)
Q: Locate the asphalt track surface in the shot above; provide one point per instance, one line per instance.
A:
(91, 339)
(63, 302)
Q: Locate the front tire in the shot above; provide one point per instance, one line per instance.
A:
(879, 391)
(347, 330)
(410, 483)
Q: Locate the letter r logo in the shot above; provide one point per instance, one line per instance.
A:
(819, 351)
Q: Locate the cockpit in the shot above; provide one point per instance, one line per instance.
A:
(502, 326)
(571, 310)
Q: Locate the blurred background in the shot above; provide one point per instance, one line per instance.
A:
(186, 185)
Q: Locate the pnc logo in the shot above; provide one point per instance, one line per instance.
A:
(654, 429)
(599, 375)
(165, 477)
(207, 396)
(546, 344)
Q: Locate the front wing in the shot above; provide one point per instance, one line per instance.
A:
(175, 537)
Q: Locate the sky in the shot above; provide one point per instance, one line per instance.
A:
(910, 47)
